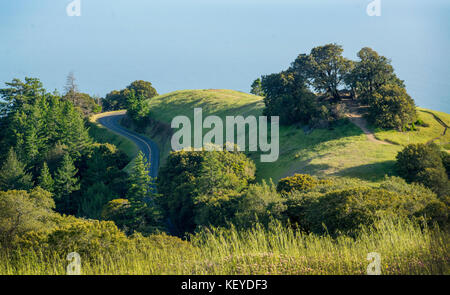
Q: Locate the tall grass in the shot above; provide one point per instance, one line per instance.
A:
(405, 248)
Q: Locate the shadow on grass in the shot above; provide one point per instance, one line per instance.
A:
(370, 172)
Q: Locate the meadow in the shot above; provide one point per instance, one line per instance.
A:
(404, 247)
(342, 150)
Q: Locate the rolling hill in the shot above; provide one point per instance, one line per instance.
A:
(343, 151)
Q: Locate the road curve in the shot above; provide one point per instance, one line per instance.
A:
(147, 146)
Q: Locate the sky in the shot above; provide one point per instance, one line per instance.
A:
(219, 44)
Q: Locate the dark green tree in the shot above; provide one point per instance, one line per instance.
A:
(117, 100)
(141, 184)
(327, 69)
(13, 175)
(257, 88)
(66, 183)
(287, 96)
(137, 108)
(371, 72)
(392, 107)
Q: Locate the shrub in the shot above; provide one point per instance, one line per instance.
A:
(347, 210)
(298, 182)
(423, 163)
(259, 204)
(89, 238)
(342, 206)
(22, 212)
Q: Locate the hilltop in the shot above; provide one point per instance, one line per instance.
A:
(344, 150)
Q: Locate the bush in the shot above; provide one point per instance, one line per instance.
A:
(348, 210)
(89, 238)
(259, 204)
(423, 163)
(343, 204)
(298, 182)
(22, 212)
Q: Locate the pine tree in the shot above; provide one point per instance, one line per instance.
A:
(13, 174)
(141, 184)
(31, 144)
(143, 216)
(45, 180)
(66, 183)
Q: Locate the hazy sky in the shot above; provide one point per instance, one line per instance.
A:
(191, 44)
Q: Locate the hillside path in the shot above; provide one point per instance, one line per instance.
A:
(355, 115)
(147, 146)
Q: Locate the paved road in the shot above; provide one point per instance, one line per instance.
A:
(148, 147)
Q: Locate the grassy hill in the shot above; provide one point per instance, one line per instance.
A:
(343, 151)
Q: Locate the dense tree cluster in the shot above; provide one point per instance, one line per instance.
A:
(118, 99)
(313, 205)
(45, 144)
(197, 187)
(370, 81)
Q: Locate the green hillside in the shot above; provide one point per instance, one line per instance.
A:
(343, 151)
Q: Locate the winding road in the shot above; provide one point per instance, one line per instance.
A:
(147, 146)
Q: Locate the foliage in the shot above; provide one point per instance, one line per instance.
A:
(89, 238)
(392, 107)
(298, 182)
(102, 178)
(287, 96)
(138, 212)
(325, 68)
(117, 100)
(141, 184)
(260, 203)
(370, 73)
(13, 175)
(191, 181)
(446, 162)
(341, 206)
(22, 211)
(45, 180)
(66, 183)
(36, 122)
(136, 107)
(257, 88)
(423, 163)
(348, 210)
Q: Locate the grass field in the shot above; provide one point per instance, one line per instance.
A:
(404, 248)
(343, 151)
(423, 134)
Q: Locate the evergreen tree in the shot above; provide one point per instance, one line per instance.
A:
(13, 175)
(141, 184)
(66, 183)
(45, 180)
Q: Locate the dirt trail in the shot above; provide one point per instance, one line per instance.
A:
(355, 115)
